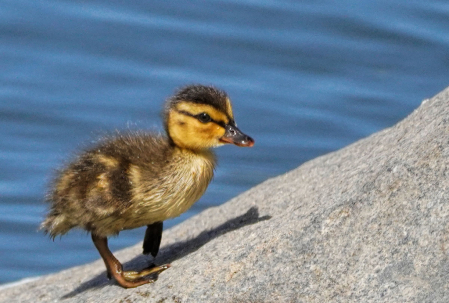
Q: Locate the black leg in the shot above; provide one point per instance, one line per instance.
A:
(152, 240)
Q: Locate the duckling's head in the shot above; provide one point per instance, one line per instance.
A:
(200, 117)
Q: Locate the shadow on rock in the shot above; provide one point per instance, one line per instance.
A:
(177, 250)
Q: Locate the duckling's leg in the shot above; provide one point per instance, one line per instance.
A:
(152, 240)
(126, 279)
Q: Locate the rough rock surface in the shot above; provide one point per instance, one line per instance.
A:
(369, 223)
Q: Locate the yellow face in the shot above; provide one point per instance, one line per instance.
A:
(197, 126)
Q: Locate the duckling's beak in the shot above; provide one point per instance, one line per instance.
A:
(235, 136)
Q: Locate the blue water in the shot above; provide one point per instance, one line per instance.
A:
(306, 78)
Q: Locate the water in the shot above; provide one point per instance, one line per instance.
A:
(306, 78)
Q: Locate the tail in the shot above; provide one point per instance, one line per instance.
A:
(55, 224)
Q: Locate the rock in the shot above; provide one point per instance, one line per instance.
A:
(368, 223)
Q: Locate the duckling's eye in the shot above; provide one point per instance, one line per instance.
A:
(203, 117)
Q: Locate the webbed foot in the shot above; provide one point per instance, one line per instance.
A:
(126, 279)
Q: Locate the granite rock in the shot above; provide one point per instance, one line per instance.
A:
(368, 223)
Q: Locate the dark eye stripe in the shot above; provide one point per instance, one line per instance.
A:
(220, 123)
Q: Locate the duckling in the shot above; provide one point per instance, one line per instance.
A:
(142, 179)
